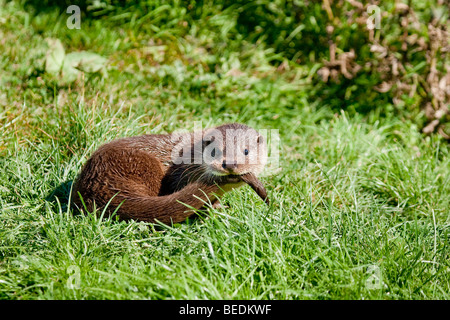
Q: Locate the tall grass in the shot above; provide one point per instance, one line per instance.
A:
(359, 205)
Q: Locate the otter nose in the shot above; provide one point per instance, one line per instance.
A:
(229, 165)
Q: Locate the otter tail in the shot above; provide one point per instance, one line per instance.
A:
(172, 208)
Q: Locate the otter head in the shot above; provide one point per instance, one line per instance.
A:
(233, 150)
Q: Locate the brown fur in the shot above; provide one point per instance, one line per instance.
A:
(137, 178)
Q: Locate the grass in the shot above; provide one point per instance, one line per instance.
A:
(359, 209)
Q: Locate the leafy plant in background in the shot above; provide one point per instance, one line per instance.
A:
(404, 63)
(401, 69)
(68, 67)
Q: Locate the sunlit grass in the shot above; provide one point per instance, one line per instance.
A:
(355, 197)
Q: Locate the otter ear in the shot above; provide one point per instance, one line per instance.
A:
(260, 139)
(207, 142)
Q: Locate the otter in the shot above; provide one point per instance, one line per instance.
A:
(166, 177)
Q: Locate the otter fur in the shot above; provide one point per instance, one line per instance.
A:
(162, 177)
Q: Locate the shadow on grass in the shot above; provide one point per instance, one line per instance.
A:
(60, 196)
(89, 8)
(51, 5)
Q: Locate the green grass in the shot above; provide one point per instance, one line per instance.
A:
(357, 195)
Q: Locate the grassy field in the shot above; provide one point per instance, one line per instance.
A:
(360, 205)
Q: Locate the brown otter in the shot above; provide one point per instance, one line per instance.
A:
(153, 177)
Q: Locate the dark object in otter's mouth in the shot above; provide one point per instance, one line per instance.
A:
(256, 185)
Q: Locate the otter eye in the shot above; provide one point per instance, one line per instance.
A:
(213, 152)
(246, 151)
